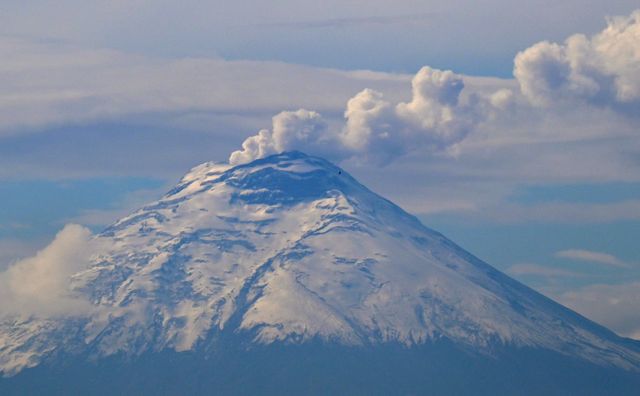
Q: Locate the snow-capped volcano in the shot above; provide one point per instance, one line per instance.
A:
(290, 250)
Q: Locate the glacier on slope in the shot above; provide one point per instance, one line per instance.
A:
(291, 249)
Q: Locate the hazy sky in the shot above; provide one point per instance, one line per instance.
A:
(104, 104)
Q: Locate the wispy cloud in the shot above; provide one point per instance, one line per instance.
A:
(594, 257)
(15, 226)
(558, 213)
(530, 269)
(47, 84)
(347, 22)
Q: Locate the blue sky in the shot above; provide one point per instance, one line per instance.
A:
(103, 105)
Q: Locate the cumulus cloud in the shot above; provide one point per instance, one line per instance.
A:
(40, 285)
(291, 130)
(602, 70)
(437, 117)
(591, 256)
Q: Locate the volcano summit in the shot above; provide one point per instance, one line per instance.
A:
(286, 275)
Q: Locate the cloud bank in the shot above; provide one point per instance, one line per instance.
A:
(531, 269)
(44, 84)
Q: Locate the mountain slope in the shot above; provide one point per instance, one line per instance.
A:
(291, 250)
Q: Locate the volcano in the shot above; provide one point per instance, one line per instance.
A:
(287, 276)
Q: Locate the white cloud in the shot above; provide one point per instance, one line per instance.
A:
(370, 125)
(437, 117)
(291, 130)
(40, 285)
(594, 257)
(603, 70)
(615, 306)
